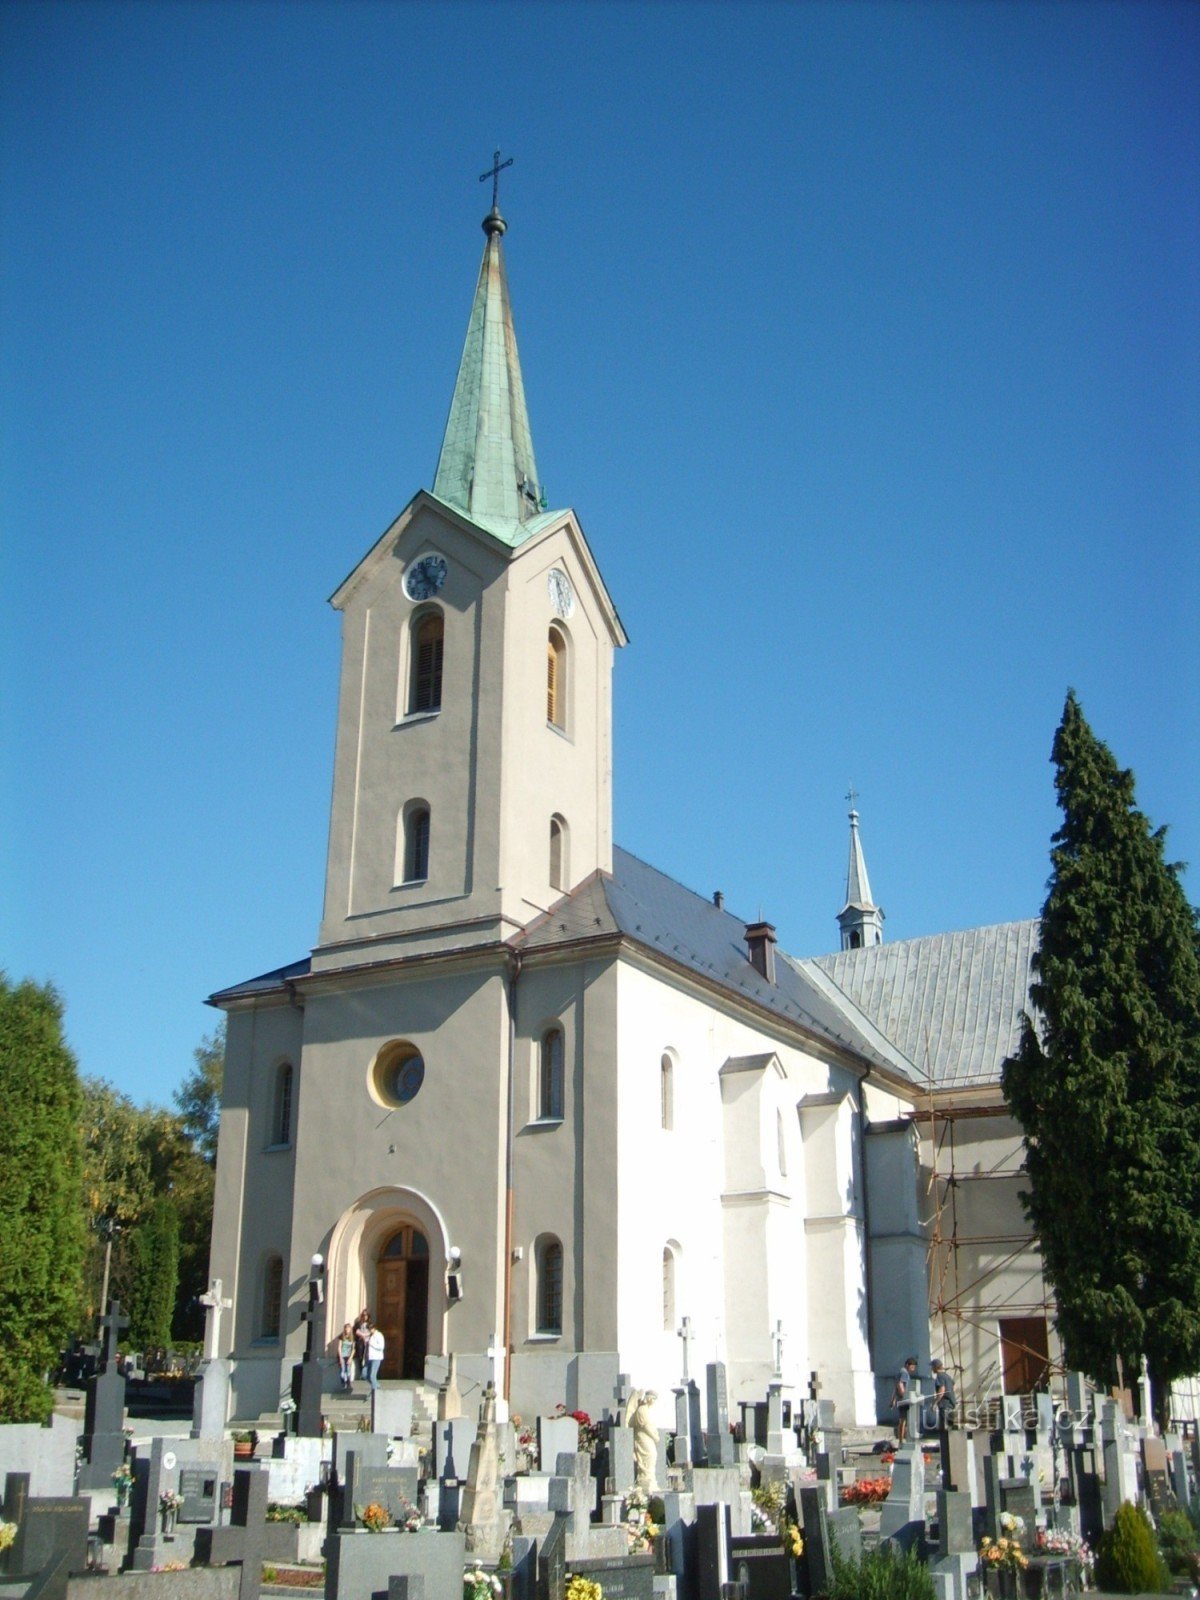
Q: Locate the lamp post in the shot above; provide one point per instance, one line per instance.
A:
(306, 1374)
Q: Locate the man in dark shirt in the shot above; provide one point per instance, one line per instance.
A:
(944, 1400)
(904, 1379)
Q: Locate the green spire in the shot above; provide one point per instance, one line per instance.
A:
(486, 468)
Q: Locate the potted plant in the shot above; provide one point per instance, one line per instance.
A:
(245, 1443)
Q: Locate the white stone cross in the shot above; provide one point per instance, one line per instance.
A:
(213, 1306)
(686, 1335)
(495, 1355)
(777, 1341)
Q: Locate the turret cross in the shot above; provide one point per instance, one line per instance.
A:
(498, 167)
(852, 796)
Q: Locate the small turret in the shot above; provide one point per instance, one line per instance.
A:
(860, 919)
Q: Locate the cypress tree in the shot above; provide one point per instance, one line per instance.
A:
(41, 1215)
(155, 1275)
(1106, 1079)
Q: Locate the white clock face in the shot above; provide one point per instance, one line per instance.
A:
(425, 577)
(562, 596)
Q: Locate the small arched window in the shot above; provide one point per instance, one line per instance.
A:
(281, 1121)
(272, 1298)
(668, 1289)
(425, 672)
(550, 1076)
(416, 842)
(666, 1090)
(548, 1313)
(558, 853)
(556, 680)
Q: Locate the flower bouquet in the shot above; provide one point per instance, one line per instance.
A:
(374, 1517)
(170, 1500)
(866, 1492)
(480, 1585)
(640, 1527)
(8, 1532)
(581, 1588)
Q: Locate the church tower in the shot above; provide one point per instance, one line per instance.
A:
(473, 767)
(860, 919)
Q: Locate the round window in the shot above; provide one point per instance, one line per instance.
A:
(398, 1074)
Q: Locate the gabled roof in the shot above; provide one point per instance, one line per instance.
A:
(685, 928)
(951, 1002)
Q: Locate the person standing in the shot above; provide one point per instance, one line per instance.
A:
(375, 1348)
(345, 1353)
(362, 1328)
(900, 1395)
(945, 1402)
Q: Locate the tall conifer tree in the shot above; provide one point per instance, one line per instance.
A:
(1106, 1080)
(41, 1215)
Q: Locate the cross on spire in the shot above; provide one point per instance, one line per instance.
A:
(852, 796)
(497, 168)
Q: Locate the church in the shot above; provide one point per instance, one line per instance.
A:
(536, 1104)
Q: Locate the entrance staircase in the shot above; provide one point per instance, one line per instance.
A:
(347, 1412)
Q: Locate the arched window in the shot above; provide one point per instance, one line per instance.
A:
(550, 1076)
(556, 680)
(558, 853)
(281, 1121)
(666, 1090)
(425, 667)
(548, 1257)
(668, 1289)
(272, 1298)
(415, 820)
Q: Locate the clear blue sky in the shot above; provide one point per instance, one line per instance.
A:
(865, 340)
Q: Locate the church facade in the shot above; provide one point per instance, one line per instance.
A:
(535, 1103)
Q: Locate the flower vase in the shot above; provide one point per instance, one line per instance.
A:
(168, 1521)
(1005, 1584)
(122, 1496)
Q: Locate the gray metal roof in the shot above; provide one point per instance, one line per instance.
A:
(951, 1002)
(655, 911)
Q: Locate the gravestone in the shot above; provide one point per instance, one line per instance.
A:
(244, 1540)
(621, 1469)
(362, 1565)
(1158, 1481)
(845, 1531)
(482, 1513)
(628, 1577)
(958, 1464)
(150, 1544)
(395, 1488)
(712, 1551)
(719, 1445)
(992, 1498)
(409, 1586)
(199, 1487)
(552, 1561)
(683, 1428)
(449, 1401)
(955, 1523)
(902, 1517)
(51, 1529)
(210, 1405)
(813, 1516)
(391, 1412)
(104, 1410)
(759, 1567)
(555, 1436)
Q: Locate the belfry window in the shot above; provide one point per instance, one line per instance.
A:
(550, 1076)
(281, 1122)
(425, 676)
(556, 680)
(416, 843)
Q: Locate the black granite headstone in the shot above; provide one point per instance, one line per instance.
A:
(813, 1520)
(198, 1487)
(244, 1540)
(47, 1527)
(761, 1567)
(552, 1560)
(712, 1550)
(620, 1577)
(104, 1410)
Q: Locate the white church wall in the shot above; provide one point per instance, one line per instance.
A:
(737, 1274)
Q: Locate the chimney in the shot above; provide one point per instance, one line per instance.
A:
(718, 900)
(760, 943)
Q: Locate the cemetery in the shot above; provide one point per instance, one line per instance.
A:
(404, 1493)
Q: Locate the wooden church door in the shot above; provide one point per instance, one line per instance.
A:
(402, 1302)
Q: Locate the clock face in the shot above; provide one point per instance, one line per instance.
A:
(562, 596)
(425, 577)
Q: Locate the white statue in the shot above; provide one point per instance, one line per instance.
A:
(639, 1417)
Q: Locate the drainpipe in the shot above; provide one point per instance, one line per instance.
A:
(514, 972)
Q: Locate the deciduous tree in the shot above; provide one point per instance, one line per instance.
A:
(1106, 1080)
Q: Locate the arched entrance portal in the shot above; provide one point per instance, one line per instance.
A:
(402, 1302)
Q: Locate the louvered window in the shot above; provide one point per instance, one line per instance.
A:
(428, 640)
(556, 680)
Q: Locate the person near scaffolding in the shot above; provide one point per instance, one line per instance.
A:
(904, 1379)
(945, 1402)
